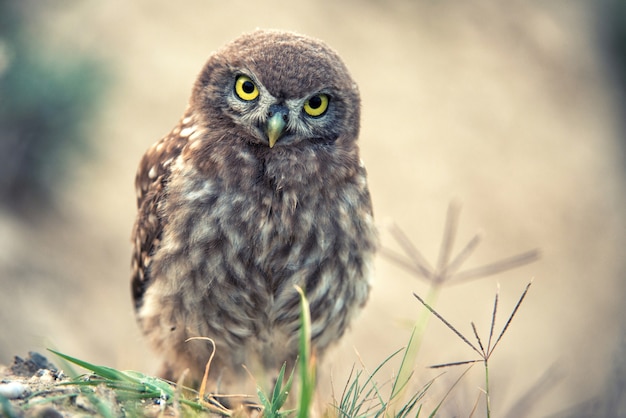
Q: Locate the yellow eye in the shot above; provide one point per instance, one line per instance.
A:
(245, 88)
(316, 105)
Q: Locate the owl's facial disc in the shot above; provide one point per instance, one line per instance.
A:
(272, 116)
(276, 122)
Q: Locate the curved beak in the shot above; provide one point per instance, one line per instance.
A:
(276, 122)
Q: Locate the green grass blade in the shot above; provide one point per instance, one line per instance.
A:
(129, 388)
(363, 400)
(445, 396)
(265, 402)
(272, 406)
(278, 387)
(281, 392)
(102, 371)
(410, 355)
(7, 409)
(306, 364)
(48, 400)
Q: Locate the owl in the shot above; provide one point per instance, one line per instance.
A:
(258, 188)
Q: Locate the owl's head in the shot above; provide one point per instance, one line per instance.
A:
(278, 89)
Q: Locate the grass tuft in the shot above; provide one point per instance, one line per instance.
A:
(272, 407)
(446, 272)
(483, 353)
(131, 388)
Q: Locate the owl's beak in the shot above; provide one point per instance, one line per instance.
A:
(276, 122)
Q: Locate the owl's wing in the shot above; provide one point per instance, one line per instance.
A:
(152, 177)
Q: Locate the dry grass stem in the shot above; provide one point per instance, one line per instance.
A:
(450, 389)
(448, 271)
(207, 368)
(475, 407)
(480, 344)
(493, 317)
(449, 236)
(449, 325)
(464, 254)
(499, 266)
(484, 354)
(416, 261)
(508, 322)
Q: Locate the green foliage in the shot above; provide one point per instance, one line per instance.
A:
(130, 387)
(272, 407)
(363, 398)
(306, 361)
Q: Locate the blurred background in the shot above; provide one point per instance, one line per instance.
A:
(513, 109)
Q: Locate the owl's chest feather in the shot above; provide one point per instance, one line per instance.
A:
(242, 240)
(249, 231)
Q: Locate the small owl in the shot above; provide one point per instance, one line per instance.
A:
(258, 188)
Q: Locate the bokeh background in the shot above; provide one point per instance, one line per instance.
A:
(513, 109)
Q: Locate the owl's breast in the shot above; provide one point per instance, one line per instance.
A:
(238, 232)
(249, 242)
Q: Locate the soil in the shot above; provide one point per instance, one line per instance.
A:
(35, 387)
(31, 387)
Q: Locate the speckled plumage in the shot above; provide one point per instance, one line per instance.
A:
(227, 224)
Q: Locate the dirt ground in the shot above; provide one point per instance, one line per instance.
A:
(506, 107)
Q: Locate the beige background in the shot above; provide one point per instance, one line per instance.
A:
(506, 107)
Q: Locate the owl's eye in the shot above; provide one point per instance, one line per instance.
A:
(245, 88)
(316, 105)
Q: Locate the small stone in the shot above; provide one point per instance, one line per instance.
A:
(45, 376)
(13, 390)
